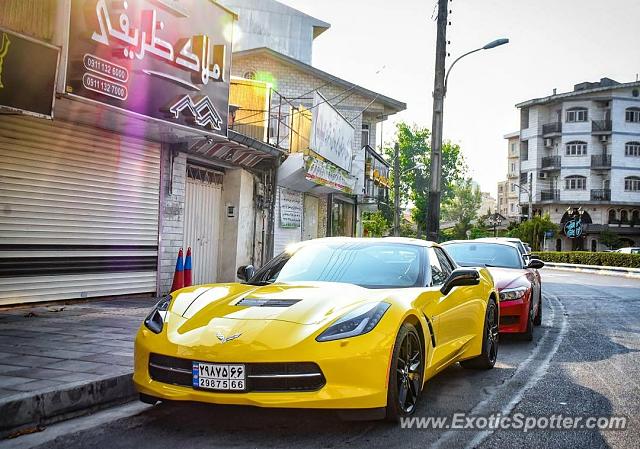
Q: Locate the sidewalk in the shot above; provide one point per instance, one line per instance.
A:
(56, 360)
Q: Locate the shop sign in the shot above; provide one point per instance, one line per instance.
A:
(332, 135)
(28, 70)
(162, 59)
(326, 174)
(573, 228)
(290, 208)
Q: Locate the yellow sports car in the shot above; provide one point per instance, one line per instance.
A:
(357, 325)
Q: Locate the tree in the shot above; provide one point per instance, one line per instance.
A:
(414, 149)
(610, 239)
(462, 207)
(532, 231)
(374, 224)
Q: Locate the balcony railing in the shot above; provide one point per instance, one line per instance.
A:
(601, 195)
(550, 195)
(601, 126)
(551, 162)
(601, 161)
(552, 128)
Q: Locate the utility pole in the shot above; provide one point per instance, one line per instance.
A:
(396, 190)
(433, 209)
(530, 195)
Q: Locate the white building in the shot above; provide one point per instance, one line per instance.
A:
(581, 150)
(508, 201)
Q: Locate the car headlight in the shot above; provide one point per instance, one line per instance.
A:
(357, 322)
(155, 320)
(510, 294)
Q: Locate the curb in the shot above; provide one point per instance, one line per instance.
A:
(603, 270)
(30, 410)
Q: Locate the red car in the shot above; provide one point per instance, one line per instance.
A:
(518, 281)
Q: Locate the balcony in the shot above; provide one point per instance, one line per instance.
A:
(550, 195)
(550, 163)
(601, 127)
(601, 161)
(524, 178)
(551, 129)
(601, 195)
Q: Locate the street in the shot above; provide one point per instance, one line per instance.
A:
(583, 362)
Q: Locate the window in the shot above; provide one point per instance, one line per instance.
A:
(632, 115)
(594, 246)
(632, 184)
(577, 115)
(632, 149)
(513, 167)
(524, 150)
(575, 183)
(524, 118)
(513, 187)
(513, 148)
(438, 272)
(635, 217)
(576, 148)
(365, 134)
(612, 216)
(624, 216)
(447, 265)
(513, 207)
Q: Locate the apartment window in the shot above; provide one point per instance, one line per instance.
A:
(612, 216)
(524, 118)
(632, 184)
(576, 148)
(577, 115)
(575, 183)
(513, 208)
(365, 134)
(524, 150)
(632, 149)
(513, 167)
(624, 216)
(513, 187)
(632, 115)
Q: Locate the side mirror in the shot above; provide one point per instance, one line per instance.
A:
(535, 263)
(245, 272)
(459, 277)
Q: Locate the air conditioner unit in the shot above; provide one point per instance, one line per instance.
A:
(542, 175)
(604, 139)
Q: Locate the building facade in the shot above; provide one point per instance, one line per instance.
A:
(581, 151)
(508, 191)
(104, 176)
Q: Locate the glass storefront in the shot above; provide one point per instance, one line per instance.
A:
(342, 218)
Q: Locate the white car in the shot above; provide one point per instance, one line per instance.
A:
(629, 250)
(513, 240)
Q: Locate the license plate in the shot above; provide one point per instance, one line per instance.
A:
(214, 376)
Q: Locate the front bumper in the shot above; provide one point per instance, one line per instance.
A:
(514, 315)
(355, 370)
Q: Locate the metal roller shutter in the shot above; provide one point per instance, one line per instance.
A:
(78, 212)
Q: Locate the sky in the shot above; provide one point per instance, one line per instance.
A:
(553, 44)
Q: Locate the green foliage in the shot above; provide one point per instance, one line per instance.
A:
(414, 147)
(610, 239)
(532, 231)
(374, 224)
(462, 207)
(587, 258)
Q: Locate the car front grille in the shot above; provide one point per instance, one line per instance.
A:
(263, 377)
(509, 320)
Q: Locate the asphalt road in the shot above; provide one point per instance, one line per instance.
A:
(583, 362)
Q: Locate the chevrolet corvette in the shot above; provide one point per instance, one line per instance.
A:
(517, 280)
(356, 325)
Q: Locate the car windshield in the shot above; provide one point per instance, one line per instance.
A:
(474, 254)
(370, 265)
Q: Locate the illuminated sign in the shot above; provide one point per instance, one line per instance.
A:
(26, 86)
(573, 228)
(163, 59)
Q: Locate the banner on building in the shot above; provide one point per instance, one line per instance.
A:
(325, 174)
(332, 136)
(28, 70)
(164, 59)
(290, 208)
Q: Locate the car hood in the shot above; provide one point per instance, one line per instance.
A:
(300, 303)
(509, 277)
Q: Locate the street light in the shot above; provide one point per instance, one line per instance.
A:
(530, 192)
(495, 220)
(439, 92)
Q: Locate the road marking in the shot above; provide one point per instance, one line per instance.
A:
(508, 395)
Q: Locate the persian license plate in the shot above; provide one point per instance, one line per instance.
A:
(214, 376)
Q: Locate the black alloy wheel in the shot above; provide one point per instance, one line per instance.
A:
(405, 378)
(490, 338)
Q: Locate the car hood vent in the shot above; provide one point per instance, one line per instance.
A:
(264, 302)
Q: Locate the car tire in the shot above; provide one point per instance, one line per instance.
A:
(405, 374)
(527, 335)
(537, 321)
(489, 354)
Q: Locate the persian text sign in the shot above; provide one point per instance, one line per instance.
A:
(331, 134)
(290, 208)
(27, 74)
(163, 59)
(573, 228)
(325, 174)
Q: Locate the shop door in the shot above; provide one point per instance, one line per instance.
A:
(203, 209)
(310, 218)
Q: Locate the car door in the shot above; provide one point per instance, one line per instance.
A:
(452, 315)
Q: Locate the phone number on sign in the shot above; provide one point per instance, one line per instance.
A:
(106, 68)
(105, 87)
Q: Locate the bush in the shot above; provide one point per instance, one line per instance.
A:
(587, 258)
